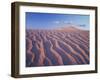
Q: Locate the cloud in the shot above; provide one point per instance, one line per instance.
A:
(56, 22)
(82, 25)
(68, 22)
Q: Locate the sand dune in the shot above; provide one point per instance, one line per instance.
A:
(68, 46)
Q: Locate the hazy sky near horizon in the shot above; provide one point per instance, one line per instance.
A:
(54, 21)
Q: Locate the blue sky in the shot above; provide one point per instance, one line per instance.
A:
(54, 21)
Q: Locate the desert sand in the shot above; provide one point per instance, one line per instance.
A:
(66, 46)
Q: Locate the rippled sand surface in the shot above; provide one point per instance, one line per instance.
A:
(57, 47)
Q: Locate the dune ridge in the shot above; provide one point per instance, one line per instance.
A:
(68, 46)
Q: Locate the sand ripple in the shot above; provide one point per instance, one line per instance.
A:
(55, 47)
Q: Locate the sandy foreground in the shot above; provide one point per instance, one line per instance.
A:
(69, 46)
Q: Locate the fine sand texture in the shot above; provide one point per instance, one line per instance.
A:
(67, 46)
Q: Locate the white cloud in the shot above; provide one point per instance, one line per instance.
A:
(56, 22)
(68, 22)
(65, 21)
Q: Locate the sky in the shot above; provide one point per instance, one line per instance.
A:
(55, 21)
